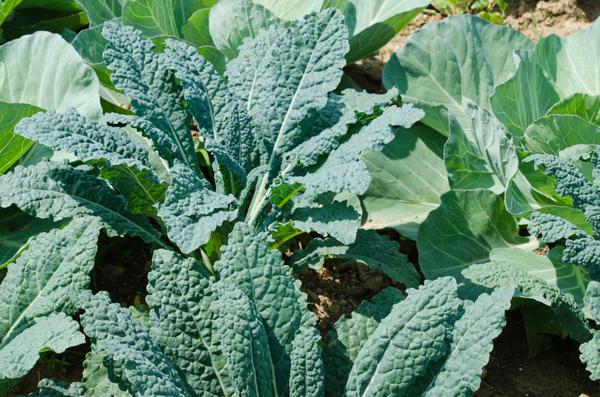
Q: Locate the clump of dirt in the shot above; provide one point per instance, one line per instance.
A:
(537, 19)
(557, 372)
(336, 290)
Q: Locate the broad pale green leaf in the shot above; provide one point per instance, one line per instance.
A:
(155, 97)
(408, 178)
(45, 71)
(43, 276)
(567, 278)
(248, 263)
(288, 78)
(129, 349)
(373, 23)
(370, 248)
(525, 97)
(585, 106)
(571, 62)
(306, 374)
(196, 30)
(290, 9)
(479, 154)
(551, 134)
(191, 210)
(159, 17)
(349, 336)
(248, 360)
(181, 321)
(471, 345)
(231, 21)
(463, 231)
(499, 275)
(56, 333)
(59, 191)
(459, 57)
(12, 146)
(406, 343)
(99, 11)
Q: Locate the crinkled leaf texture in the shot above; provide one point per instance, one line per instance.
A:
(429, 344)
(35, 295)
(59, 191)
(248, 263)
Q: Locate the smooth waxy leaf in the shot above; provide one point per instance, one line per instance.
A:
(129, 349)
(248, 263)
(525, 97)
(471, 345)
(13, 146)
(231, 21)
(463, 231)
(459, 57)
(192, 211)
(59, 191)
(479, 154)
(56, 332)
(6, 9)
(372, 23)
(248, 358)
(292, 9)
(99, 11)
(408, 178)
(40, 281)
(585, 106)
(45, 71)
(551, 134)
(288, 77)
(144, 77)
(159, 18)
(395, 355)
(181, 321)
(570, 62)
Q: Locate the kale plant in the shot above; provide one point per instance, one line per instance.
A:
(206, 169)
